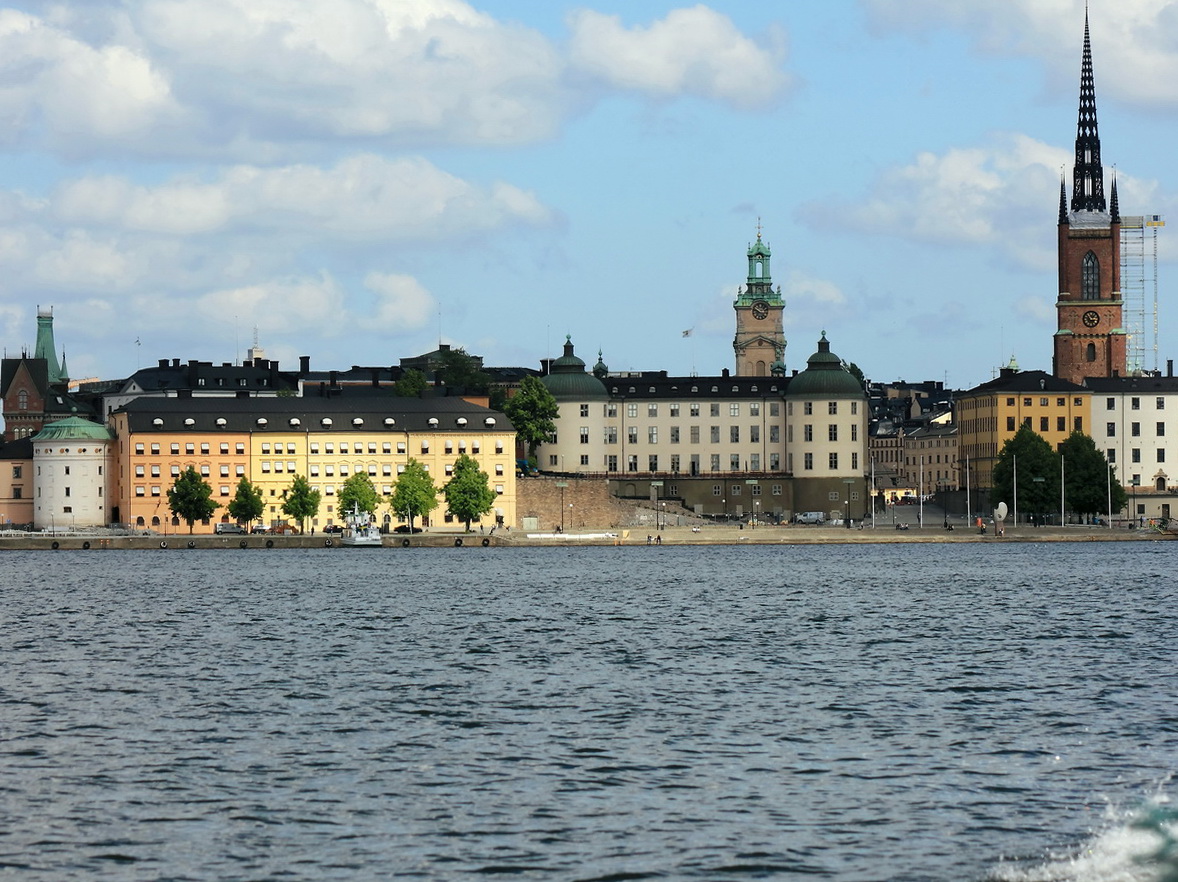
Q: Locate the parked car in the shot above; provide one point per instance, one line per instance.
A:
(223, 528)
(260, 529)
(810, 517)
(333, 528)
(404, 528)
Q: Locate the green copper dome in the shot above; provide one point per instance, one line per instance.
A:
(825, 376)
(74, 429)
(568, 380)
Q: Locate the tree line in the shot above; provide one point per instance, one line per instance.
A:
(468, 496)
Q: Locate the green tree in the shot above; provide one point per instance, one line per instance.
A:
(533, 412)
(457, 369)
(1037, 475)
(300, 501)
(191, 498)
(468, 492)
(246, 504)
(357, 491)
(1088, 481)
(410, 384)
(414, 493)
(855, 371)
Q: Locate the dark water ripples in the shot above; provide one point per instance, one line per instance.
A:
(834, 713)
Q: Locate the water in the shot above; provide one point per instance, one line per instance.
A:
(851, 713)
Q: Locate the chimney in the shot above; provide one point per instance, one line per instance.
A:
(163, 362)
(175, 362)
(304, 364)
(1169, 367)
(724, 373)
(376, 378)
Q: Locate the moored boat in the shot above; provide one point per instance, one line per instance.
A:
(360, 531)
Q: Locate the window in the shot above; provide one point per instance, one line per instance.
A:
(1090, 352)
(1110, 404)
(584, 459)
(734, 465)
(1090, 278)
(854, 461)
(674, 434)
(808, 462)
(1134, 404)
(1078, 424)
(1060, 402)
(832, 407)
(807, 433)
(584, 434)
(653, 462)
(834, 460)
(693, 409)
(240, 448)
(694, 434)
(1010, 424)
(714, 409)
(204, 448)
(632, 434)
(755, 463)
(611, 434)
(225, 470)
(717, 489)
(754, 409)
(1135, 429)
(1161, 454)
(715, 434)
(755, 434)
(584, 410)
(139, 449)
(674, 410)
(714, 461)
(674, 468)
(652, 435)
(774, 409)
(1042, 402)
(343, 447)
(266, 447)
(734, 409)
(832, 432)
(1160, 404)
(1135, 455)
(1110, 429)
(632, 463)
(734, 434)
(1026, 402)
(1111, 455)
(775, 489)
(611, 410)
(855, 432)
(611, 463)
(632, 410)
(1043, 424)
(190, 449)
(139, 472)
(175, 449)
(224, 447)
(774, 434)
(1061, 424)
(808, 408)
(1161, 430)
(652, 410)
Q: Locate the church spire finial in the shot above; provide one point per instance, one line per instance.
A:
(1087, 174)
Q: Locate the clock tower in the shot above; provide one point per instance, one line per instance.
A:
(760, 338)
(1090, 340)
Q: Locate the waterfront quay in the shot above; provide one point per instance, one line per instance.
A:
(720, 534)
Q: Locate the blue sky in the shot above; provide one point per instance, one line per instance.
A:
(359, 179)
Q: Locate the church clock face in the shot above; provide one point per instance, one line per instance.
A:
(760, 309)
(1091, 319)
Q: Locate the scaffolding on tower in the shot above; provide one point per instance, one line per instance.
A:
(1139, 289)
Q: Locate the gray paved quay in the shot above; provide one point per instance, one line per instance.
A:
(719, 534)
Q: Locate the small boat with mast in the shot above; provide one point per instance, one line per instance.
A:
(360, 531)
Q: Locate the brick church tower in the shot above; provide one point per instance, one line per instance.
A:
(1090, 340)
(759, 343)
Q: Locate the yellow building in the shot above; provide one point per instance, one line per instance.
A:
(326, 440)
(989, 414)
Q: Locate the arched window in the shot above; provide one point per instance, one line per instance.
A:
(1090, 278)
(22, 400)
(1090, 354)
(1161, 485)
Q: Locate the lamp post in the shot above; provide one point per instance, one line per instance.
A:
(1039, 481)
(850, 482)
(724, 505)
(570, 515)
(1136, 482)
(664, 507)
(756, 512)
(562, 485)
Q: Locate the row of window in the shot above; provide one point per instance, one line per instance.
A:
(1061, 423)
(225, 490)
(1046, 402)
(1135, 403)
(1134, 430)
(1135, 455)
(610, 409)
(328, 447)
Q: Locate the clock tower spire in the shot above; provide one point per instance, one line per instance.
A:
(1090, 340)
(760, 337)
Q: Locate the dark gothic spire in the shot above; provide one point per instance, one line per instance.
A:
(1063, 200)
(1088, 175)
(1114, 210)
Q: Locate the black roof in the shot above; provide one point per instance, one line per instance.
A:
(275, 414)
(658, 385)
(1026, 381)
(1146, 384)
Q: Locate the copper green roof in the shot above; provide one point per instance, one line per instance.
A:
(825, 376)
(74, 428)
(568, 380)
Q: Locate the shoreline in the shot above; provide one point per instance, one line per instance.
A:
(624, 537)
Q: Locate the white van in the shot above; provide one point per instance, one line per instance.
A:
(810, 517)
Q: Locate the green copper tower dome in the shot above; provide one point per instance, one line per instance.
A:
(568, 380)
(825, 376)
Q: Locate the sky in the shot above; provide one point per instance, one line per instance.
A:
(359, 180)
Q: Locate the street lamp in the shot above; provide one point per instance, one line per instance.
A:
(850, 482)
(656, 514)
(1133, 514)
(724, 505)
(756, 512)
(1039, 481)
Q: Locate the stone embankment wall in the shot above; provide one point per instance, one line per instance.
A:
(587, 503)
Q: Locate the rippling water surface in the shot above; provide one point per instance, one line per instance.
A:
(851, 713)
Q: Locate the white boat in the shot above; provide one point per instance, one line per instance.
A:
(360, 531)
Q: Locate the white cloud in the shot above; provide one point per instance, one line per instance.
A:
(996, 194)
(695, 51)
(403, 303)
(1135, 55)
